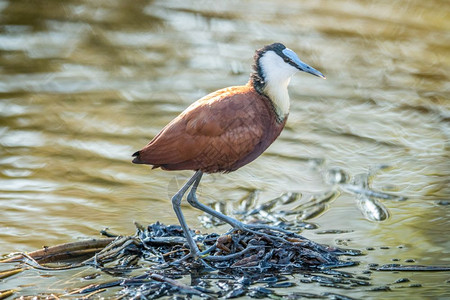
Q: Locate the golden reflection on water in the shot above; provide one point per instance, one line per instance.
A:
(84, 84)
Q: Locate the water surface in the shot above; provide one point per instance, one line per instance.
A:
(84, 84)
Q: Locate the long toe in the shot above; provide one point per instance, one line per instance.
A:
(269, 232)
(195, 259)
(271, 228)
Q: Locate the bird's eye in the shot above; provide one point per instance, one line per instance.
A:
(286, 59)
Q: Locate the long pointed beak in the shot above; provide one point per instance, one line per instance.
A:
(308, 69)
(301, 65)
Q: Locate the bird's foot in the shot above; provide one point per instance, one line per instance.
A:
(213, 258)
(267, 231)
(271, 228)
(198, 260)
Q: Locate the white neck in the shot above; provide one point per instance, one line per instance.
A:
(277, 75)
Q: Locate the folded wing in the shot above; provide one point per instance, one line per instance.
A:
(213, 134)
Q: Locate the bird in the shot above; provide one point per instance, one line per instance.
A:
(226, 129)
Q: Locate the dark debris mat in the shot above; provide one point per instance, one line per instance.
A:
(234, 264)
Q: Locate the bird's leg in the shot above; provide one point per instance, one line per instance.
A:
(176, 201)
(192, 199)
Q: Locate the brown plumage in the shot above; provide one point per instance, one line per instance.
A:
(221, 132)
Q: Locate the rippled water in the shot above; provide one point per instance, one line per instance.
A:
(84, 84)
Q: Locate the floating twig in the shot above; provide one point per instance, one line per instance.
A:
(395, 267)
(64, 251)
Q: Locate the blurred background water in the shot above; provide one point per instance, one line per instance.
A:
(84, 84)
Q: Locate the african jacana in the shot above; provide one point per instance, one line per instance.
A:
(227, 129)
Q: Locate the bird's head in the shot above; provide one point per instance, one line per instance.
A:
(277, 63)
(274, 66)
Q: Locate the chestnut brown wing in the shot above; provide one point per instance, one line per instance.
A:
(212, 134)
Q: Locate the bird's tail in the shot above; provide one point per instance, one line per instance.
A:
(137, 159)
